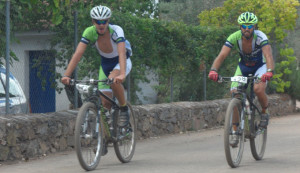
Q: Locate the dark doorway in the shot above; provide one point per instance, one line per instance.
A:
(42, 76)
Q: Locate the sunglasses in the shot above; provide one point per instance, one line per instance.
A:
(99, 22)
(249, 26)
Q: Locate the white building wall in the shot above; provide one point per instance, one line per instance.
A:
(148, 94)
(33, 41)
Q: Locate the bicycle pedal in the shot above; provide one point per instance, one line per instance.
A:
(121, 137)
(260, 131)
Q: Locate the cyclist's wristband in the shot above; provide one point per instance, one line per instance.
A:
(270, 70)
(66, 76)
(213, 69)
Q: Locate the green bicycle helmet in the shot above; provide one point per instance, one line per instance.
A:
(247, 17)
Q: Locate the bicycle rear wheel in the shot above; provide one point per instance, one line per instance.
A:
(88, 137)
(259, 138)
(126, 137)
(234, 151)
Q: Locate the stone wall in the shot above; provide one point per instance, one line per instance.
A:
(28, 136)
(159, 119)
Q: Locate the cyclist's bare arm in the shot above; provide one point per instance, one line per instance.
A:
(267, 51)
(74, 61)
(122, 62)
(221, 57)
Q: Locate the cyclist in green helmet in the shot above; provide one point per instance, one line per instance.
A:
(255, 58)
(247, 18)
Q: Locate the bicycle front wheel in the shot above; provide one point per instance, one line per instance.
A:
(88, 137)
(233, 133)
(126, 137)
(259, 138)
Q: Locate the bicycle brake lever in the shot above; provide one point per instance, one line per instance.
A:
(220, 79)
(110, 81)
(72, 82)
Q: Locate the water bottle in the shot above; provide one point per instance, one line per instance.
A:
(247, 119)
(111, 114)
(248, 111)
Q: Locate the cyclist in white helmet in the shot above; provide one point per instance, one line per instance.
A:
(255, 58)
(114, 51)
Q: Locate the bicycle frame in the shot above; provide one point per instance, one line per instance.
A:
(243, 95)
(253, 108)
(95, 98)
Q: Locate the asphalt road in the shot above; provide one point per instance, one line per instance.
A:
(201, 151)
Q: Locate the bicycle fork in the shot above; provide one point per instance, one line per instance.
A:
(86, 124)
(242, 122)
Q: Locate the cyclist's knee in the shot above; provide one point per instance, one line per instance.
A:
(259, 90)
(114, 85)
(260, 87)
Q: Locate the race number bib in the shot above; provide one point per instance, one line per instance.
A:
(240, 79)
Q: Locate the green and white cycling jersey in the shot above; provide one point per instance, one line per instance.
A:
(90, 36)
(255, 58)
(109, 61)
(253, 63)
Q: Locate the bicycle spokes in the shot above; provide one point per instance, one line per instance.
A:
(88, 137)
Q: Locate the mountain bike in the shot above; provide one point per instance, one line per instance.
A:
(242, 122)
(96, 127)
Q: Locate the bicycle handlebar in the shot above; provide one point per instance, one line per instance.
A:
(228, 79)
(92, 81)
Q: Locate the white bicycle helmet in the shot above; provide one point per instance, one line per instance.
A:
(100, 12)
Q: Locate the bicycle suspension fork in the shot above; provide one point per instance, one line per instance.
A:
(242, 97)
(243, 112)
(253, 110)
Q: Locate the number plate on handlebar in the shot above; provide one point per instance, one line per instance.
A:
(241, 79)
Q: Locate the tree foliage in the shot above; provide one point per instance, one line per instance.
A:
(185, 10)
(275, 19)
(283, 70)
(16, 15)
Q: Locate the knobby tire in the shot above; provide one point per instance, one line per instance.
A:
(88, 108)
(257, 142)
(233, 161)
